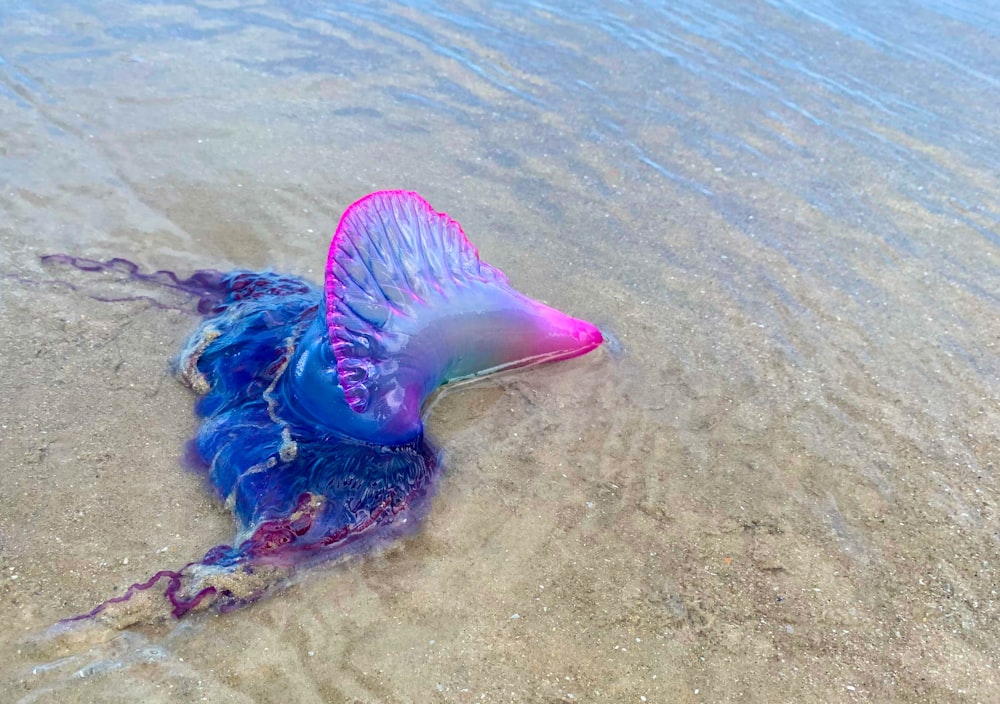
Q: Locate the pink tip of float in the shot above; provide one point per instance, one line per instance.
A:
(586, 334)
(589, 336)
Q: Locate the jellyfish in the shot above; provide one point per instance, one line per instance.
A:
(310, 397)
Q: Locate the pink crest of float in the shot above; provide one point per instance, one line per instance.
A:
(390, 253)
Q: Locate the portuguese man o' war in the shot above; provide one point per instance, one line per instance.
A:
(311, 397)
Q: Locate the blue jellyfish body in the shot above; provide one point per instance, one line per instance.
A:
(268, 459)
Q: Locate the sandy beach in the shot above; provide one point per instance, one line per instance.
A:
(777, 483)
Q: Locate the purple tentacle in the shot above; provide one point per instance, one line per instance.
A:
(208, 285)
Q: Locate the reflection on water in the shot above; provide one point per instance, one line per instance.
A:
(788, 213)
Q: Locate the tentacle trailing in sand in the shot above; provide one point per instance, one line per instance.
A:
(207, 285)
(311, 398)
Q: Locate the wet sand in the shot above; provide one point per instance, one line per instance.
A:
(782, 486)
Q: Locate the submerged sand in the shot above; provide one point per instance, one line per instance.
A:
(778, 483)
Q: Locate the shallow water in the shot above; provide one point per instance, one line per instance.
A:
(781, 484)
